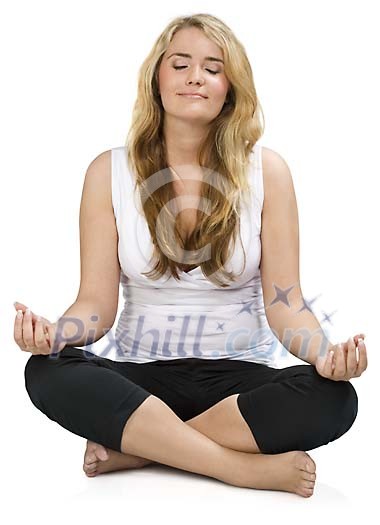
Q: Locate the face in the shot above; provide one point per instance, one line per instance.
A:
(194, 73)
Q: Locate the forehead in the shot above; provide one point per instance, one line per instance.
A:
(193, 41)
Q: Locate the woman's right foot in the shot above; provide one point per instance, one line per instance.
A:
(293, 471)
(99, 459)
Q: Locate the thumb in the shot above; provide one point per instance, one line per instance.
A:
(51, 327)
(321, 359)
(19, 306)
(320, 364)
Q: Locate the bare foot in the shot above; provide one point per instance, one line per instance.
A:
(99, 459)
(293, 471)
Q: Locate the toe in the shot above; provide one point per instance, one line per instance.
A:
(310, 466)
(313, 464)
(91, 465)
(102, 453)
(90, 468)
(309, 476)
(91, 474)
(90, 458)
(97, 451)
(307, 484)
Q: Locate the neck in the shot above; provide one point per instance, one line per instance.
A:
(183, 141)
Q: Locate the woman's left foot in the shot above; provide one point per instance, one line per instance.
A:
(99, 459)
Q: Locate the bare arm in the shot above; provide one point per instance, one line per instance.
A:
(93, 313)
(83, 323)
(295, 326)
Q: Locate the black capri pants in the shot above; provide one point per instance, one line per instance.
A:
(292, 408)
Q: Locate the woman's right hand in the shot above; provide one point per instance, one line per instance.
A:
(34, 333)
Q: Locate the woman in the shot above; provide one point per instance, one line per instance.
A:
(194, 384)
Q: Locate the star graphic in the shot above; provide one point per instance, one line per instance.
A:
(282, 295)
(306, 305)
(246, 308)
(326, 317)
(220, 326)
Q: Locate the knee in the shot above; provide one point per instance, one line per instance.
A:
(343, 400)
(350, 403)
(28, 372)
(32, 377)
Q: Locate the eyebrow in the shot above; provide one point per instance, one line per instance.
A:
(186, 55)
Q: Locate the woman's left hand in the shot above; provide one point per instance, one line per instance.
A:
(340, 363)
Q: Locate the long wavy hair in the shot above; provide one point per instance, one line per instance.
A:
(223, 156)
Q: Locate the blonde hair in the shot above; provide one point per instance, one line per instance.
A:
(225, 154)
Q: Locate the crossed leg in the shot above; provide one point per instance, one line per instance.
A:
(224, 424)
(313, 412)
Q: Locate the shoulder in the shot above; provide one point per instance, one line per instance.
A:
(277, 177)
(99, 169)
(101, 163)
(97, 182)
(275, 167)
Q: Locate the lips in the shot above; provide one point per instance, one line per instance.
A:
(198, 94)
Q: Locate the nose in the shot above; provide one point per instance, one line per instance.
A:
(195, 77)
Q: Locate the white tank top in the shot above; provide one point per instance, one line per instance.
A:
(165, 319)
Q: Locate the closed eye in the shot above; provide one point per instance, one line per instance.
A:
(209, 70)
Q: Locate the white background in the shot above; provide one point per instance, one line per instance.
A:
(69, 80)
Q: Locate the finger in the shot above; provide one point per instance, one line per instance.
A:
(340, 363)
(45, 325)
(23, 307)
(17, 332)
(40, 337)
(363, 360)
(357, 337)
(352, 362)
(27, 329)
(327, 369)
